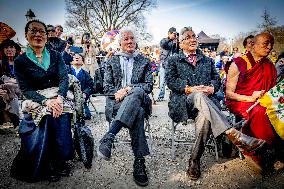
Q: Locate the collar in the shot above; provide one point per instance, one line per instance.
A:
(199, 55)
(45, 58)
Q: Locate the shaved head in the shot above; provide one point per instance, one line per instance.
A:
(265, 35)
(263, 44)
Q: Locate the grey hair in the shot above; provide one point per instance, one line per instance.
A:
(125, 30)
(182, 31)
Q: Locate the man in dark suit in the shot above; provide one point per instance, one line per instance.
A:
(128, 76)
(193, 80)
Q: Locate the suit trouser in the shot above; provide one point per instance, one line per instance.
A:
(131, 113)
(209, 119)
(162, 83)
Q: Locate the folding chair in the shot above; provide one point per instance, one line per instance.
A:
(211, 143)
(147, 127)
(148, 132)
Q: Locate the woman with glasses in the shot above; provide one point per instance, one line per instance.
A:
(45, 131)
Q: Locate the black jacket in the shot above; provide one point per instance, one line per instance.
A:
(32, 78)
(168, 48)
(179, 73)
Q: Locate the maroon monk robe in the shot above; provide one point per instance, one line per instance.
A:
(261, 76)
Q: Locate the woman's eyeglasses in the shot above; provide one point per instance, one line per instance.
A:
(34, 31)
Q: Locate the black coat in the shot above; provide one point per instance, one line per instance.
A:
(179, 73)
(168, 48)
(141, 77)
(32, 78)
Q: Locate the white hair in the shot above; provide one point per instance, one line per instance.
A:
(125, 30)
(182, 31)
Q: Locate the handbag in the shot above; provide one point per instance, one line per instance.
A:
(84, 143)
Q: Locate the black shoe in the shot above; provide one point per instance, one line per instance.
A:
(63, 169)
(139, 172)
(53, 175)
(104, 148)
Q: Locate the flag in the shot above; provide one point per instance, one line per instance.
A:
(273, 101)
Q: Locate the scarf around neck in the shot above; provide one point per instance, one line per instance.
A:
(126, 63)
(45, 58)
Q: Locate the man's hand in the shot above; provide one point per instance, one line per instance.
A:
(200, 88)
(255, 95)
(2, 92)
(208, 90)
(120, 94)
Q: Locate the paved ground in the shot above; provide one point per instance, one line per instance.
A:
(163, 172)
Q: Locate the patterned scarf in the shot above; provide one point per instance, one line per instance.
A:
(126, 62)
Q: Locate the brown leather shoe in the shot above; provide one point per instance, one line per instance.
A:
(193, 171)
(244, 142)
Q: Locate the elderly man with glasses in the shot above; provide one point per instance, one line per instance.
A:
(193, 81)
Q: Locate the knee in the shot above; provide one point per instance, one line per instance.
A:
(196, 96)
(137, 91)
(259, 110)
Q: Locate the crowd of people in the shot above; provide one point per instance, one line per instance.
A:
(54, 79)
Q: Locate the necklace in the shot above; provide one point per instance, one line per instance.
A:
(39, 56)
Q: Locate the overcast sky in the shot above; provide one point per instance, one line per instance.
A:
(224, 17)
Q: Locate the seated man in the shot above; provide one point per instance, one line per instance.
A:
(249, 77)
(86, 82)
(193, 81)
(128, 77)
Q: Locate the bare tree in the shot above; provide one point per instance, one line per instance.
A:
(268, 21)
(98, 16)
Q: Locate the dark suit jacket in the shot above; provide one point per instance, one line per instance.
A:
(179, 73)
(32, 78)
(141, 77)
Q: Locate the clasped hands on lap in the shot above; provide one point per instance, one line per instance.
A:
(56, 105)
(207, 90)
(120, 94)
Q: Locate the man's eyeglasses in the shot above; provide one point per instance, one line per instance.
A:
(34, 31)
(189, 37)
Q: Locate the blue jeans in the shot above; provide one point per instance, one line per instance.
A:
(162, 83)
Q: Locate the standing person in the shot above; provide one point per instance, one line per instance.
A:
(193, 81)
(128, 76)
(280, 67)
(67, 54)
(9, 89)
(273, 56)
(87, 83)
(169, 46)
(58, 30)
(53, 41)
(248, 43)
(89, 53)
(45, 131)
(248, 78)
(236, 53)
